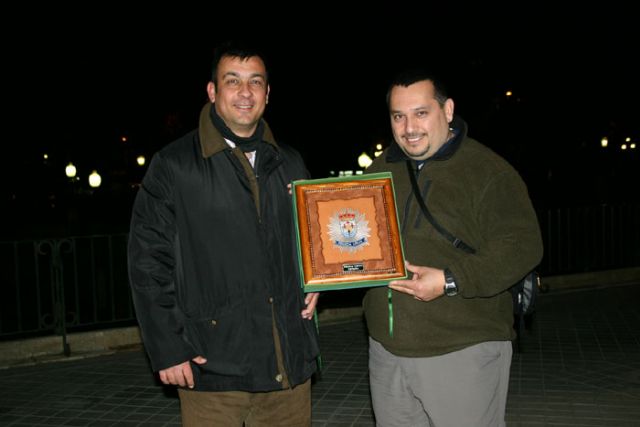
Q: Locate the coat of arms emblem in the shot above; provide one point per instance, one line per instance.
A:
(348, 230)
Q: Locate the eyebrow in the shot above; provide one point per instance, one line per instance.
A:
(235, 74)
(422, 107)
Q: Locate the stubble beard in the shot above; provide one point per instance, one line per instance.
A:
(420, 155)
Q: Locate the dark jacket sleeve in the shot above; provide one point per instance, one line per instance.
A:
(151, 256)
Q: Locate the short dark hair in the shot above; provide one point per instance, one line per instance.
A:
(235, 49)
(409, 77)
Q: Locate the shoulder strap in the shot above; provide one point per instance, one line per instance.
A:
(458, 243)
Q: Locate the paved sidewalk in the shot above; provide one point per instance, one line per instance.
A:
(580, 367)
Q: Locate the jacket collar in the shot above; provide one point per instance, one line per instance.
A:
(459, 126)
(212, 142)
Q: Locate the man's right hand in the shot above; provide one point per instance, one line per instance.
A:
(181, 374)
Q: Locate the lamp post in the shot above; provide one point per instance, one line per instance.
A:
(71, 172)
(72, 209)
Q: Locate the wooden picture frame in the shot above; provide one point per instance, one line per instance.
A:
(347, 232)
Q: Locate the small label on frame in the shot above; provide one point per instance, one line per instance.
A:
(353, 267)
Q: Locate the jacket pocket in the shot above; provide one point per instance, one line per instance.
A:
(221, 340)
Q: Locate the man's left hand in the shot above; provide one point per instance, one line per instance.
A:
(310, 300)
(426, 284)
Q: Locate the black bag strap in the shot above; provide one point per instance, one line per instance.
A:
(458, 243)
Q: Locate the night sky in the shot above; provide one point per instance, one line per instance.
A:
(81, 84)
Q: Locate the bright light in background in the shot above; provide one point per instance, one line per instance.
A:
(94, 179)
(377, 153)
(632, 146)
(123, 139)
(604, 142)
(141, 160)
(70, 170)
(623, 147)
(508, 93)
(364, 160)
(378, 146)
(45, 156)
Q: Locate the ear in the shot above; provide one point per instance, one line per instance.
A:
(268, 90)
(211, 91)
(448, 109)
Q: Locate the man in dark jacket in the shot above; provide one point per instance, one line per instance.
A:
(447, 362)
(212, 261)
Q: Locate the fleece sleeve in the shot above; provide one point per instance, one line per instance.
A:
(512, 242)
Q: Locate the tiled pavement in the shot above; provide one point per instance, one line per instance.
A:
(580, 367)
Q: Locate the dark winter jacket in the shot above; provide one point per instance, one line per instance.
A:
(213, 266)
(478, 197)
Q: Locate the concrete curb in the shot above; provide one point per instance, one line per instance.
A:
(591, 279)
(83, 344)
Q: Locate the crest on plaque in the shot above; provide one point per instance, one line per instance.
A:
(348, 230)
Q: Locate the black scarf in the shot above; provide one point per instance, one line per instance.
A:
(248, 144)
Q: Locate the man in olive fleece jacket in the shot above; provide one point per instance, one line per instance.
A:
(447, 361)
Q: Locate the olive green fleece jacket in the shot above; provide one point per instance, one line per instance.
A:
(478, 197)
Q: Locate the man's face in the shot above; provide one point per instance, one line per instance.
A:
(419, 124)
(241, 93)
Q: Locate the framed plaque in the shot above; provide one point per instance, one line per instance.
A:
(347, 232)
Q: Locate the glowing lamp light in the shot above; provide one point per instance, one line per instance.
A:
(70, 170)
(604, 142)
(364, 160)
(508, 93)
(141, 160)
(95, 180)
(378, 146)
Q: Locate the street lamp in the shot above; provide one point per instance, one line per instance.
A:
(70, 171)
(364, 160)
(141, 160)
(378, 150)
(95, 180)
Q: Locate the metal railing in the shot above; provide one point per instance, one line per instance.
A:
(55, 286)
(593, 238)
